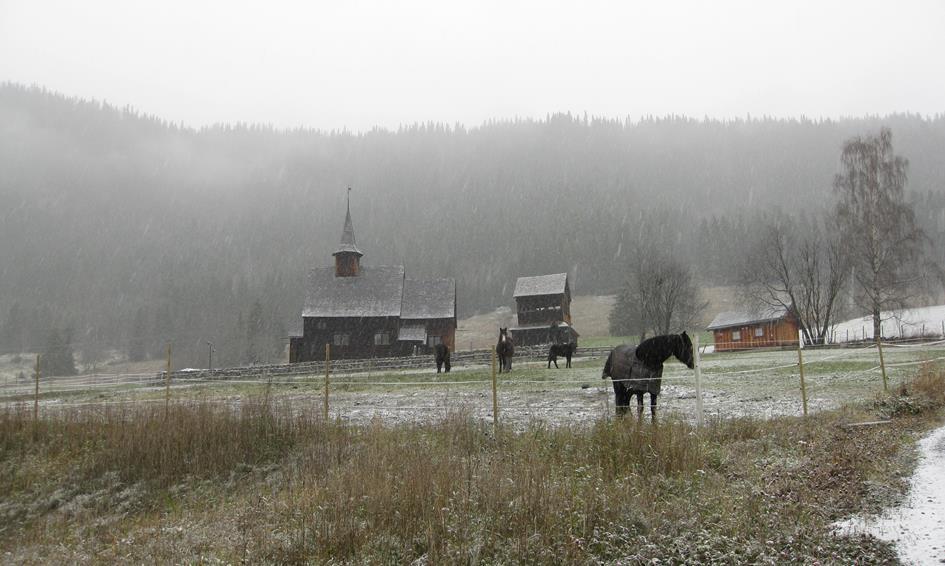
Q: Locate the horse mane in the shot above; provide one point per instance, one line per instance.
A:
(656, 350)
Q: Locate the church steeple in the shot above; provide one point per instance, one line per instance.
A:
(347, 256)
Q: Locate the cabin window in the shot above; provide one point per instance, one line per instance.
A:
(736, 335)
(434, 340)
(759, 332)
(341, 339)
(321, 325)
(382, 339)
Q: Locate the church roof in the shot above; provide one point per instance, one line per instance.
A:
(554, 284)
(375, 291)
(347, 243)
(429, 298)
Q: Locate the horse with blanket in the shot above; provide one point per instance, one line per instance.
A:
(638, 370)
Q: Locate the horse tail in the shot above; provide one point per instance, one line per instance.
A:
(608, 365)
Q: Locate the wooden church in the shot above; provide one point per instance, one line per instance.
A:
(372, 311)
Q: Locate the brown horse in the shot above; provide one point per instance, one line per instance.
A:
(505, 349)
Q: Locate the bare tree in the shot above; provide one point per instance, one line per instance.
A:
(879, 230)
(658, 297)
(801, 269)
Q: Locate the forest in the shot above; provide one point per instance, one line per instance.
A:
(120, 230)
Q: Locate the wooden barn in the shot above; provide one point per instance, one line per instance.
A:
(543, 306)
(367, 311)
(768, 328)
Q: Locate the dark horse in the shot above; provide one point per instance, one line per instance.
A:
(566, 350)
(442, 354)
(639, 370)
(504, 349)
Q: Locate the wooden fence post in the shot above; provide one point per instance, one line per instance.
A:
(495, 395)
(167, 382)
(697, 365)
(327, 374)
(800, 365)
(882, 363)
(36, 393)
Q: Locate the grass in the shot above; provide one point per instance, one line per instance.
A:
(266, 481)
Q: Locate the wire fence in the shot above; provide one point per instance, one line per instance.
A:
(751, 383)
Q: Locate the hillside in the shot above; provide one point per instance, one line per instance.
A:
(127, 231)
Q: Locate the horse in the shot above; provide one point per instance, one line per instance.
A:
(639, 370)
(566, 350)
(505, 349)
(441, 352)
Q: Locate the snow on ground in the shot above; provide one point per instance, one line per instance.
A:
(907, 323)
(917, 528)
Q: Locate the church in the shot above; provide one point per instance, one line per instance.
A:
(371, 311)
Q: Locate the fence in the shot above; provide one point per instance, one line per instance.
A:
(401, 389)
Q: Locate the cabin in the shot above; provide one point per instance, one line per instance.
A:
(543, 307)
(372, 311)
(769, 327)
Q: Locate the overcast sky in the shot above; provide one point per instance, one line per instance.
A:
(331, 65)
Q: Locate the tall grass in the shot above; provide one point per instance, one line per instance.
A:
(456, 490)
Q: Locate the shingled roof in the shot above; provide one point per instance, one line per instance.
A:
(729, 319)
(347, 243)
(554, 284)
(376, 291)
(429, 298)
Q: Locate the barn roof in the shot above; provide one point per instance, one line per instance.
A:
(429, 298)
(554, 284)
(738, 318)
(375, 291)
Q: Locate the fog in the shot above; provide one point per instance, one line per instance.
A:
(358, 65)
(170, 172)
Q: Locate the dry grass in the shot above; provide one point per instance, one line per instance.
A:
(265, 482)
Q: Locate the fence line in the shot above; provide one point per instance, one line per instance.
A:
(134, 382)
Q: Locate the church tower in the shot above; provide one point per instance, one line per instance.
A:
(347, 256)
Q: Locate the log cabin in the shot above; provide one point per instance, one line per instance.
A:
(770, 327)
(543, 307)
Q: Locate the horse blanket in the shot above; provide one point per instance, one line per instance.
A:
(624, 365)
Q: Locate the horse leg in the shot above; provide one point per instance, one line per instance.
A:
(568, 355)
(652, 405)
(639, 395)
(439, 365)
(621, 398)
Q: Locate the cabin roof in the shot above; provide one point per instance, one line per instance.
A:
(739, 318)
(429, 298)
(374, 292)
(554, 284)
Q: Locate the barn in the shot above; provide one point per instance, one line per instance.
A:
(543, 306)
(371, 311)
(769, 327)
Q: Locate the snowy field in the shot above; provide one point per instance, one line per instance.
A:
(759, 384)
(907, 323)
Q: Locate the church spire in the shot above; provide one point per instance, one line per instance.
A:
(347, 256)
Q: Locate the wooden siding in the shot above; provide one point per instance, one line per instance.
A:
(774, 334)
(318, 331)
(543, 309)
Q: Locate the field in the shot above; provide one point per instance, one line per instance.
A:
(410, 466)
(756, 384)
